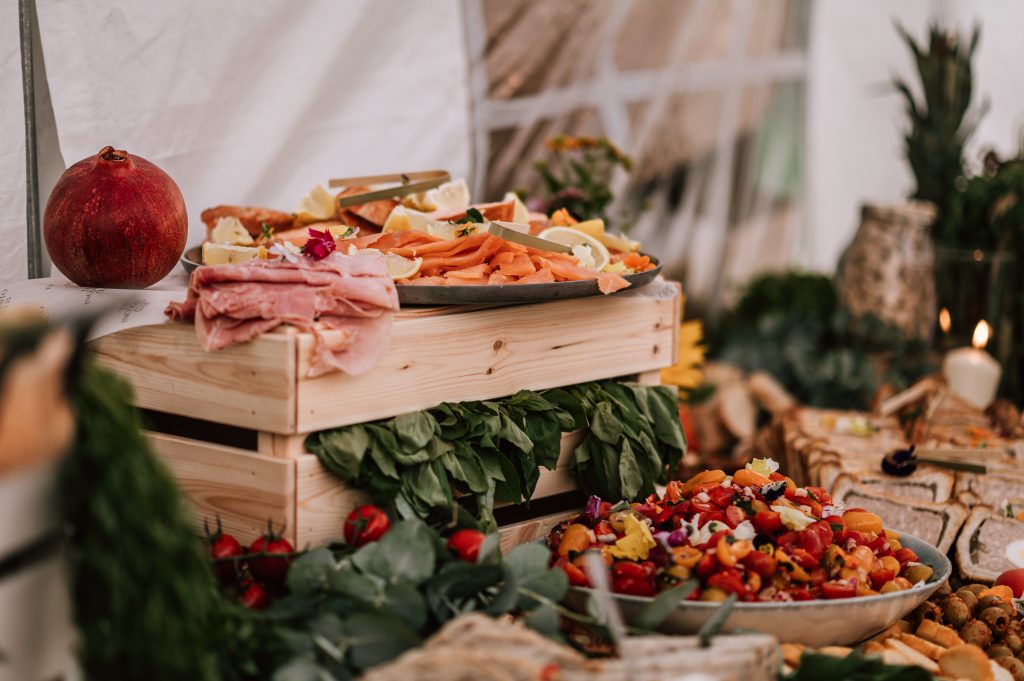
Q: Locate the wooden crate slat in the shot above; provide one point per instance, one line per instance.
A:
(246, 489)
(323, 501)
(251, 385)
(530, 530)
(496, 352)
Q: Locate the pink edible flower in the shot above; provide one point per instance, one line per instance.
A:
(319, 245)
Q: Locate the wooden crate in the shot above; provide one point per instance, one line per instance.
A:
(258, 394)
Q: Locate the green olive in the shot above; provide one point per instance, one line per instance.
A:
(954, 611)
(944, 590)
(998, 650)
(926, 611)
(968, 597)
(919, 573)
(986, 602)
(976, 632)
(1013, 641)
(996, 619)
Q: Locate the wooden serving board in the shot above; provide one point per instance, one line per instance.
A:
(435, 355)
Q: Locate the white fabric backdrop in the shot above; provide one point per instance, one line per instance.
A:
(252, 102)
(12, 149)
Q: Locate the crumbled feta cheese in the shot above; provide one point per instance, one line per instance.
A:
(806, 509)
(744, 531)
(702, 497)
(792, 518)
(800, 492)
(835, 509)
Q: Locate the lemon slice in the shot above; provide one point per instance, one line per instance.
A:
(403, 219)
(316, 206)
(343, 231)
(573, 237)
(230, 230)
(227, 254)
(448, 230)
(594, 228)
(400, 267)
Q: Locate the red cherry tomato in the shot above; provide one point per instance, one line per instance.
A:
(734, 515)
(786, 540)
(729, 580)
(722, 496)
(366, 524)
(880, 546)
(800, 594)
(776, 477)
(266, 569)
(815, 538)
(820, 495)
(633, 587)
(225, 546)
(713, 541)
(904, 556)
(577, 577)
(466, 544)
(627, 569)
(255, 597)
(804, 559)
(767, 522)
(1013, 579)
(839, 588)
(710, 516)
(880, 577)
(702, 508)
(761, 563)
(707, 564)
(603, 528)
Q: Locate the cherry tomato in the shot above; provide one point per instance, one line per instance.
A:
(734, 515)
(880, 577)
(776, 477)
(606, 508)
(839, 588)
(905, 555)
(225, 546)
(815, 538)
(702, 508)
(760, 563)
(627, 569)
(818, 576)
(577, 577)
(785, 540)
(880, 545)
(729, 580)
(713, 541)
(767, 522)
(803, 558)
(366, 524)
(707, 565)
(820, 495)
(266, 569)
(800, 594)
(466, 544)
(722, 496)
(633, 587)
(603, 529)
(255, 597)
(1013, 579)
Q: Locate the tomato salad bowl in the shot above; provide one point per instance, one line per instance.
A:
(802, 567)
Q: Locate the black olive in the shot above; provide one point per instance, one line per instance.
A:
(902, 462)
(773, 490)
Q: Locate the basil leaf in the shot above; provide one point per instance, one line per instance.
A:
(414, 430)
(604, 425)
(631, 482)
(342, 451)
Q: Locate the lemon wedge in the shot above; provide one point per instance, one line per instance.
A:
(343, 231)
(230, 230)
(572, 237)
(619, 242)
(403, 219)
(449, 197)
(448, 230)
(316, 206)
(228, 254)
(400, 267)
(520, 213)
(594, 228)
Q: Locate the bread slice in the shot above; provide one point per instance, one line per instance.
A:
(933, 522)
(966, 662)
(981, 548)
(927, 483)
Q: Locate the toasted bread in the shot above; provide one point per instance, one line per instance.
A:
(939, 634)
(966, 662)
(914, 657)
(921, 645)
(981, 548)
(935, 523)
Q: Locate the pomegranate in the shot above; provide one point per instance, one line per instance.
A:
(115, 221)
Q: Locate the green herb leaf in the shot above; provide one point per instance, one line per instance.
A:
(472, 216)
(655, 612)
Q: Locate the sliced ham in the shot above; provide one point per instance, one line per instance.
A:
(351, 293)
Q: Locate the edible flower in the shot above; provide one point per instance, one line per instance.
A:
(792, 518)
(593, 509)
(319, 245)
(286, 250)
(637, 543)
(763, 466)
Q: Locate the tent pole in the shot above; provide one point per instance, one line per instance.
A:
(26, 14)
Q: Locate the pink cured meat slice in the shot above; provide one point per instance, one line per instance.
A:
(351, 293)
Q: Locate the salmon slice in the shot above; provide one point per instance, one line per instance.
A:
(427, 281)
(497, 278)
(610, 282)
(541, 276)
(520, 266)
(444, 247)
(635, 261)
(474, 272)
(503, 257)
(467, 257)
(569, 271)
(478, 281)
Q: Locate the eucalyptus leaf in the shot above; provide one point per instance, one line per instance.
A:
(375, 638)
(405, 602)
(301, 670)
(406, 552)
(655, 612)
(311, 571)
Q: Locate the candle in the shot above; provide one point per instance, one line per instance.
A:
(971, 373)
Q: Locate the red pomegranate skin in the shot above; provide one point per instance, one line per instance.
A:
(115, 220)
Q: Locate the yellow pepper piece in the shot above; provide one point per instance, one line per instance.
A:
(687, 556)
(729, 554)
(704, 478)
(637, 543)
(796, 573)
(575, 539)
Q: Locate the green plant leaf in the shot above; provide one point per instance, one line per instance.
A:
(375, 639)
(311, 571)
(406, 552)
(655, 612)
(414, 430)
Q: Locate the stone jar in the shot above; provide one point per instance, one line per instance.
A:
(888, 270)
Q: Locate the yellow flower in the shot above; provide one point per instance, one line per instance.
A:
(637, 543)
(687, 374)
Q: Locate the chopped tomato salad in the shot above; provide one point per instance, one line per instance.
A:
(754, 533)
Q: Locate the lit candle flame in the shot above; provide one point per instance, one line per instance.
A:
(945, 322)
(981, 334)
